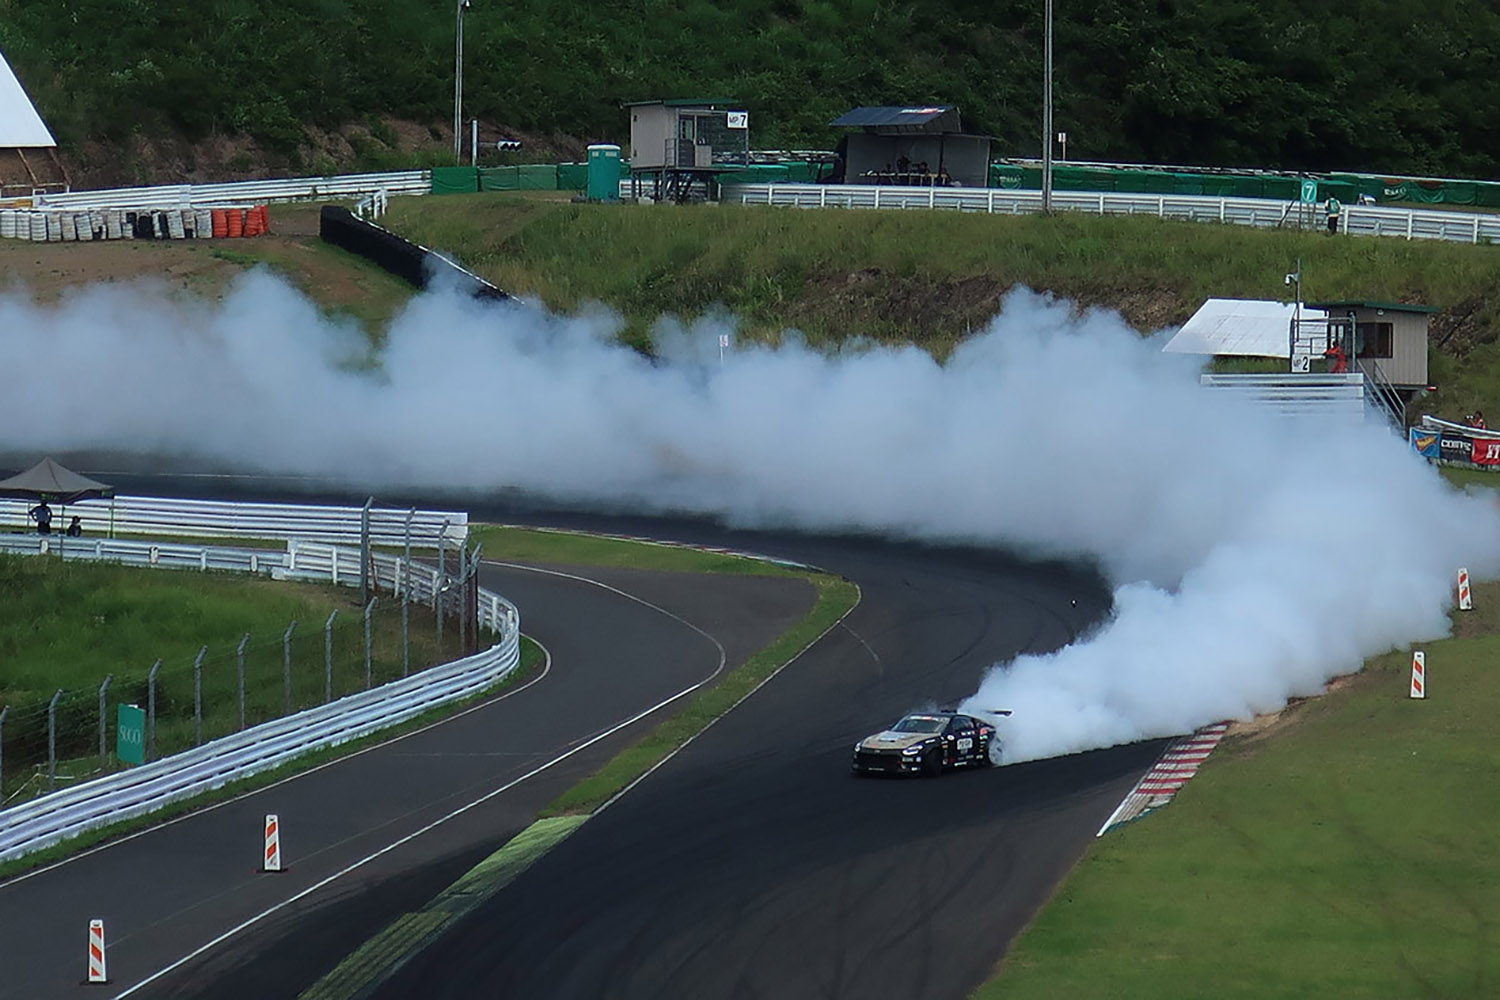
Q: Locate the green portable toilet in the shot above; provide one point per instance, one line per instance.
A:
(604, 172)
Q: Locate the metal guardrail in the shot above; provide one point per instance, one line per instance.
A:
(243, 192)
(222, 519)
(129, 794)
(126, 795)
(1293, 395)
(1359, 220)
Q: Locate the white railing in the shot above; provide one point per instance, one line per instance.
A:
(224, 519)
(243, 192)
(1294, 395)
(1362, 220)
(136, 792)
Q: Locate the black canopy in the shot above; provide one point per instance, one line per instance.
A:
(51, 483)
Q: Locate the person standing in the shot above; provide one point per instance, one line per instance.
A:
(42, 515)
(1333, 208)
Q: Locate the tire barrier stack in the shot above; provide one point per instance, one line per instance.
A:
(406, 260)
(57, 226)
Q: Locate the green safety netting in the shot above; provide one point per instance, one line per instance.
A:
(454, 180)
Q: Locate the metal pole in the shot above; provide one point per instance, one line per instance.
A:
(458, 84)
(3, 710)
(364, 552)
(369, 641)
(103, 721)
(440, 585)
(198, 697)
(328, 656)
(52, 741)
(286, 669)
(1047, 116)
(151, 710)
(240, 655)
(406, 599)
(463, 599)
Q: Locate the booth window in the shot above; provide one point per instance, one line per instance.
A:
(1373, 340)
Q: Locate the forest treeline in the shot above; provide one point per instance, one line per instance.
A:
(1373, 85)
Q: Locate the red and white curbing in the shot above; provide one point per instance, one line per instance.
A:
(1465, 597)
(1419, 674)
(97, 972)
(272, 857)
(1171, 771)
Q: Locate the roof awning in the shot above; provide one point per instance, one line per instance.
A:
(1242, 327)
(20, 126)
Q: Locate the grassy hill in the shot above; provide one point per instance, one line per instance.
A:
(932, 277)
(1359, 84)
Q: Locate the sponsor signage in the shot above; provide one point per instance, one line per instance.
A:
(1456, 448)
(1486, 451)
(130, 735)
(1425, 443)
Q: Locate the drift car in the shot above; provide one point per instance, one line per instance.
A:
(927, 743)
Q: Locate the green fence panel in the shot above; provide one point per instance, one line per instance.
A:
(537, 177)
(572, 176)
(499, 179)
(454, 180)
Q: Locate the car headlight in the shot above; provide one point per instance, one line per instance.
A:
(858, 745)
(911, 751)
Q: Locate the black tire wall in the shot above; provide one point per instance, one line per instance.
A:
(414, 264)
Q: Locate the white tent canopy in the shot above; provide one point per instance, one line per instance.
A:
(20, 126)
(1244, 327)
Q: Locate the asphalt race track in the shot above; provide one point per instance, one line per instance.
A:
(751, 865)
(165, 893)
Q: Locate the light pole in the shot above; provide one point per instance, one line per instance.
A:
(458, 83)
(1047, 116)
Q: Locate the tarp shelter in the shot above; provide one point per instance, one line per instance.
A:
(47, 481)
(28, 153)
(1243, 328)
(918, 145)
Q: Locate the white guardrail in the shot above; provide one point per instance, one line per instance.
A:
(222, 519)
(1361, 220)
(242, 192)
(136, 792)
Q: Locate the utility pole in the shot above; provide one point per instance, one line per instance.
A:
(1047, 116)
(458, 83)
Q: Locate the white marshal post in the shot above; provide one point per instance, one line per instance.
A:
(1419, 674)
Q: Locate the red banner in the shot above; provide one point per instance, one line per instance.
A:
(1487, 451)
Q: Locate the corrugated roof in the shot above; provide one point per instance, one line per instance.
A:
(686, 102)
(1361, 304)
(915, 115)
(1241, 327)
(20, 125)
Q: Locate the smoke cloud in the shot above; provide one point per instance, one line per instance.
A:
(1253, 556)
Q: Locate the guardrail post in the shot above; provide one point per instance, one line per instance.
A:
(286, 669)
(369, 641)
(440, 585)
(406, 599)
(240, 658)
(328, 656)
(3, 711)
(52, 741)
(103, 722)
(151, 710)
(198, 696)
(364, 551)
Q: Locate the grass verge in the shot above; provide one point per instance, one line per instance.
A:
(581, 549)
(531, 657)
(1351, 849)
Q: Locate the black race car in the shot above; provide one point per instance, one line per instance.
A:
(928, 743)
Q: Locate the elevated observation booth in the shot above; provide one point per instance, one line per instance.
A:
(1331, 355)
(922, 145)
(679, 148)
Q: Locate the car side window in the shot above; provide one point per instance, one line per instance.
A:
(959, 725)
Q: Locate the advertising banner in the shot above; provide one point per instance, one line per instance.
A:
(1456, 448)
(1486, 451)
(1425, 443)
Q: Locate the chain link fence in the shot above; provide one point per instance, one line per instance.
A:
(237, 682)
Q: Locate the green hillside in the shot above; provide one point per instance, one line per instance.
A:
(931, 278)
(1360, 84)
